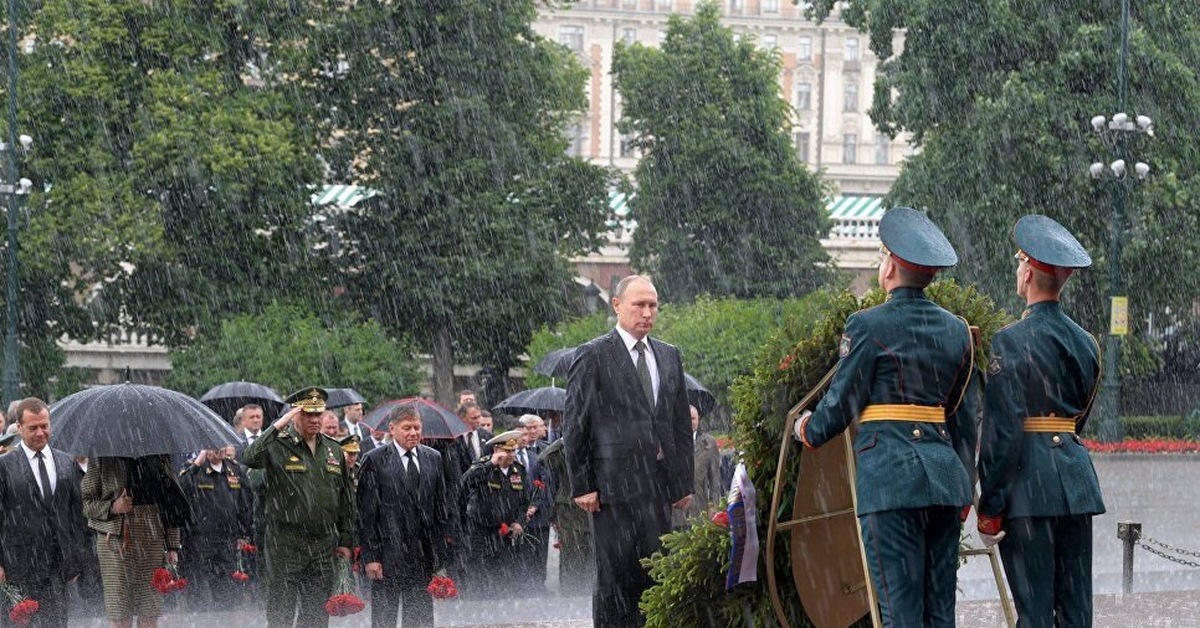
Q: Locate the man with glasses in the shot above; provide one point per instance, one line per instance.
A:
(1039, 490)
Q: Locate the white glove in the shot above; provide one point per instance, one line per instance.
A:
(798, 426)
(992, 539)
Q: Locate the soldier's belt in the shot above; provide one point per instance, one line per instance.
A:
(899, 412)
(1049, 424)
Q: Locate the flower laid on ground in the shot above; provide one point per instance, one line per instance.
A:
(442, 587)
(343, 602)
(1145, 446)
(166, 580)
(23, 608)
(721, 519)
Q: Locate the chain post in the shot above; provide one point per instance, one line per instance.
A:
(1130, 532)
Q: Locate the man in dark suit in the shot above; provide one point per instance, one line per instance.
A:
(473, 444)
(1038, 488)
(402, 522)
(532, 558)
(40, 510)
(352, 416)
(629, 448)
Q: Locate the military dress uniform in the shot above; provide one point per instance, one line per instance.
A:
(309, 513)
(497, 497)
(903, 368)
(1037, 481)
(222, 508)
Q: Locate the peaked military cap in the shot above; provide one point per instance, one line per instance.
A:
(310, 400)
(508, 441)
(910, 237)
(350, 444)
(1048, 246)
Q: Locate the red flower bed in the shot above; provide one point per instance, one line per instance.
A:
(1146, 446)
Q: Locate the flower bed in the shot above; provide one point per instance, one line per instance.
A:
(1144, 446)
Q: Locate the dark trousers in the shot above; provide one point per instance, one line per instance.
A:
(533, 561)
(300, 578)
(622, 535)
(408, 592)
(1048, 561)
(51, 594)
(576, 569)
(913, 558)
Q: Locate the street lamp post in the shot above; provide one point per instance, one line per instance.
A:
(14, 189)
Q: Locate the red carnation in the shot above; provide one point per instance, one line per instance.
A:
(539, 485)
(248, 548)
(442, 588)
(344, 604)
(721, 519)
(240, 576)
(504, 529)
(167, 580)
(23, 611)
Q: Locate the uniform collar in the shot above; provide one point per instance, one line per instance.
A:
(1042, 308)
(905, 292)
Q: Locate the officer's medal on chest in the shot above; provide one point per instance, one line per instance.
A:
(331, 462)
(233, 480)
(515, 480)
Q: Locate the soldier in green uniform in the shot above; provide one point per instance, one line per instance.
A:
(1039, 489)
(576, 569)
(903, 369)
(497, 491)
(309, 511)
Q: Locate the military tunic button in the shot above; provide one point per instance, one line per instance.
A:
(916, 432)
(1057, 440)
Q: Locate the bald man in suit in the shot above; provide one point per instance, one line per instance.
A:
(629, 448)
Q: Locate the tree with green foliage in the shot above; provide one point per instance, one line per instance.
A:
(290, 347)
(172, 184)
(723, 204)
(998, 97)
(454, 111)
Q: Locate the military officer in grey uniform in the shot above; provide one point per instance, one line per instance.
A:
(309, 511)
(1039, 490)
(903, 368)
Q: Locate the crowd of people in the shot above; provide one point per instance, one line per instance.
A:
(276, 520)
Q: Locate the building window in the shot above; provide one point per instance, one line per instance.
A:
(770, 41)
(805, 53)
(736, 6)
(850, 148)
(625, 147)
(851, 97)
(664, 5)
(576, 136)
(851, 49)
(802, 146)
(629, 35)
(770, 6)
(571, 37)
(883, 150)
(804, 96)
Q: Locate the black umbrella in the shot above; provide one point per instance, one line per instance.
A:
(533, 401)
(698, 395)
(556, 363)
(132, 420)
(342, 397)
(436, 420)
(226, 399)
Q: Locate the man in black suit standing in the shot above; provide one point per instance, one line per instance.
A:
(402, 522)
(629, 448)
(473, 444)
(40, 510)
(352, 416)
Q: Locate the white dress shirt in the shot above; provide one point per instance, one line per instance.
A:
(651, 363)
(405, 458)
(50, 468)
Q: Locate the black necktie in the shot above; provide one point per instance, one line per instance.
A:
(414, 475)
(643, 370)
(45, 476)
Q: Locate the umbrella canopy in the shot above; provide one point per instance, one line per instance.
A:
(556, 363)
(226, 399)
(698, 395)
(132, 420)
(342, 397)
(534, 400)
(436, 420)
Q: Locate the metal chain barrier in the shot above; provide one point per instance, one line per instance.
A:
(1170, 548)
